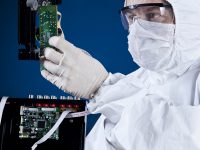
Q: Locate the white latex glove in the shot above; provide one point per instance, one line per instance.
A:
(71, 69)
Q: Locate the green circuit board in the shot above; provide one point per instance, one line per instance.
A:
(36, 122)
(47, 25)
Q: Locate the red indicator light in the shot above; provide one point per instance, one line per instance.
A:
(76, 106)
(45, 105)
(69, 106)
(53, 105)
(38, 105)
(62, 105)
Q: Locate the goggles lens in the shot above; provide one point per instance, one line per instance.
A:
(154, 12)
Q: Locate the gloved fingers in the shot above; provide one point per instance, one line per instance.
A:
(53, 55)
(52, 68)
(47, 75)
(58, 81)
(62, 44)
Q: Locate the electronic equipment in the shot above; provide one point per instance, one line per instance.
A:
(25, 121)
(37, 22)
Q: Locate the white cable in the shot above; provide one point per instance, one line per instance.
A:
(2, 105)
(53, 129)
(78, 114)
(64, 115)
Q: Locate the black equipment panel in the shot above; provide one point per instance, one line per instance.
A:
(71, 131)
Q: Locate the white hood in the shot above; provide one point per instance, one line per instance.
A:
(187, 34)
(141, 111)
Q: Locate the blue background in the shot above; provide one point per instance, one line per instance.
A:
(91, 25)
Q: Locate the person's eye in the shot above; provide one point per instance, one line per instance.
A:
(152, 16)
(130, 18)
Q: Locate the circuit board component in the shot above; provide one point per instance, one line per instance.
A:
(36, 122)
(47, 25)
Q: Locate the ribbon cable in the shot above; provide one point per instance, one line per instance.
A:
(2, 105)
(65, 114)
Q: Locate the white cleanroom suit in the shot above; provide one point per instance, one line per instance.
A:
(154, 110)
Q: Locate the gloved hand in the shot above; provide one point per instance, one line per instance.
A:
(71, 69)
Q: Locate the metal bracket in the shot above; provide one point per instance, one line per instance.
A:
(33, 4)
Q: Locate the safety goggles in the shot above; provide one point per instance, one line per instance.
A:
(154, 12)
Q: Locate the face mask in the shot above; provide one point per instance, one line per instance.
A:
(151, 44)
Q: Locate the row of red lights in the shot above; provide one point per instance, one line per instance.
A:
(58, 105)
